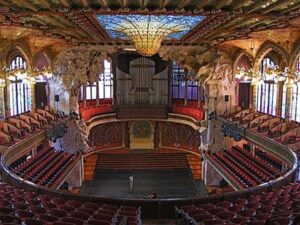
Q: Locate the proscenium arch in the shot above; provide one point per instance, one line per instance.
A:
(266, 48)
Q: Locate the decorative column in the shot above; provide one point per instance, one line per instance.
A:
(185, 92)
(7, 98)
(199, 93)
(32, 95)
(84, 95)
(279, 98)
(97, 93)
(2, 100)
(289, 95)
(254, 95)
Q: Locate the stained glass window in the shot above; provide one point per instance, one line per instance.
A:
(267, 91)
(104, 85)
(179, 84)
(296, 96)
(20, 99)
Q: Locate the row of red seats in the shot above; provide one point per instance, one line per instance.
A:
(233, 168)
(54, 171)
(22, 125)
(190, 103)
(247, 169)
(45, 167)
(258, 209)
(265, 156)
(88, 113)
(260, 162)
(251, 171)
(264, 168)
(29, 164)
(244, 118)
(196, 113)
(29, 208)
(93, 102)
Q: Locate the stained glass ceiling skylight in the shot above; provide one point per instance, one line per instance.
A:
(148, 31)
(114, 25)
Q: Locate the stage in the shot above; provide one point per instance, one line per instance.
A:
(171, 183)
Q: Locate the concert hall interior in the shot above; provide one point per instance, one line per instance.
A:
(153, 112)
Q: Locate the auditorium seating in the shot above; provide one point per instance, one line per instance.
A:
(15, 128)
(247, 169)
(280, 205)
(44, 168)
(279, 129)
(29, 208)
(153, 161)
(268, 158)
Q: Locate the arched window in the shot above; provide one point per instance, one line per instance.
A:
(179, 84)
(19, 93)
(267, 91)
(296, 95)
(104, 85)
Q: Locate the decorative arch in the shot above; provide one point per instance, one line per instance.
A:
(46, 55)
(265, 49)
(238, 56)
(294, 55)
(18, 48)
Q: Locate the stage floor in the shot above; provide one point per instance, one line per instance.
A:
(175, 183)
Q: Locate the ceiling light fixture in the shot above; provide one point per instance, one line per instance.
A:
(148, 31)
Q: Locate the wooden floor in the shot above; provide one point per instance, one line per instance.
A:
(89, 166)
(142, 161)
(195, 165)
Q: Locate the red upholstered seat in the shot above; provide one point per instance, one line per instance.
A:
(34, 222)
(212, 222)
(47, 218)
(80, 215)
(99, 222)
(5, 218)
(22, 214)
(57, 212)
(91, 205)
(239, 220)
(72, 220)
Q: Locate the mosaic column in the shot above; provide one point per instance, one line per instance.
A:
(279, 98)
(84, 95)
(7, 99)
(289, 97)
(97, 93)
(254, 96)
(185, 92)
(199, 93)
(32, 95)
(2, 103)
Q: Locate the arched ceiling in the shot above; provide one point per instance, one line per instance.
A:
(74, 21)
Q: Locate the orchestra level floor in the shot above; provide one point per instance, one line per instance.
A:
(170, 183)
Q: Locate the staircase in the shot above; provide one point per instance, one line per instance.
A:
(142, 161)
(195, 165)
(89, 166)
